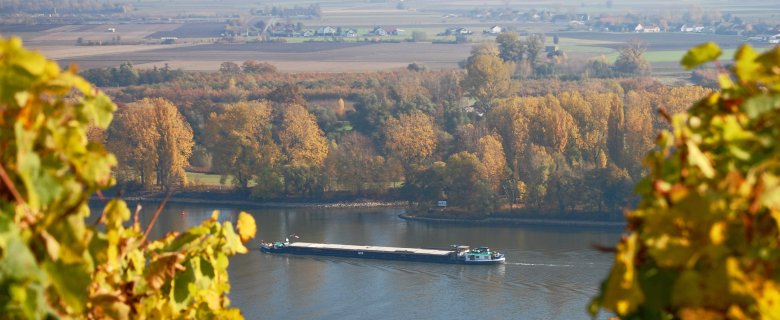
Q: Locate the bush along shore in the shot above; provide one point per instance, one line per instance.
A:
(240, 200)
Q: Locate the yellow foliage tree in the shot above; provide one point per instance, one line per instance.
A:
(491, 153)
(241, 139)
(151, 135)
(411, 137)
(487, 78)
(304, 149)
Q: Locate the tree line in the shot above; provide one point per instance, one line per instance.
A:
(479, 138)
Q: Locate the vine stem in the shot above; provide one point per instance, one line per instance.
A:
(156, 214)
(11, 187)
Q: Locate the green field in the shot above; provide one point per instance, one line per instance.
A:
(205, 179)
(671, 55)
(211, 180)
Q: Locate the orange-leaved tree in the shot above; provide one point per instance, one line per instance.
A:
(704, 241)
(53, 262)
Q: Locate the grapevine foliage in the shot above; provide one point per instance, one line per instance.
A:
(53, 263)
(704, 242)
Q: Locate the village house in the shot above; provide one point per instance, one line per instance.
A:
(494, 30)
(385, 31)
(378, 31)
(393, 31)
(647, 29)
(455, 31)
(350, 33)
(326, 31)
(692, 28)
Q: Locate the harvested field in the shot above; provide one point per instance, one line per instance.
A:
(69, 34)
(192, 30)
(277, 47)
(72, 51)
(313, 57)
(17, 28)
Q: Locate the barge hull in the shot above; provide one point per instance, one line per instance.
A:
(365, 254)
(372, 252)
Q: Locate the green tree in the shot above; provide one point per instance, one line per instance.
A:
(702, 243)
(510, 47)
(53, 264)
(419, 36)
(631, 60)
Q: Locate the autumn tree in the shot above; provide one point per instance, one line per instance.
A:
(410, 137)
(132, 140)
(702, 243)
(304, 149)
(156, 138)
(513, 126)
(252, 66)
(467, 184)
(229, 67)
(56, 264)
(356, 165)
(487, 78)
(287, 94)
(241, 140)
(491, 154)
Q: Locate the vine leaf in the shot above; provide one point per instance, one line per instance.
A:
(701, 54)
(246, 227)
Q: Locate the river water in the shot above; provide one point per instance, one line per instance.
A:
(551, 272)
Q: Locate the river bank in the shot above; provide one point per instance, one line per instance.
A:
(517, 221)
(232, 201)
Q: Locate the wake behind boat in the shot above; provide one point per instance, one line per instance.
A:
(457, 255)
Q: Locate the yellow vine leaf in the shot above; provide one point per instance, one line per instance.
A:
(246, 227)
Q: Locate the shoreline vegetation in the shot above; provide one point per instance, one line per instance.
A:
(231, 200)
(526, 220)
(453, 216)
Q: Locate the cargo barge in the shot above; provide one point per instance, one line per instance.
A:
(457, 255)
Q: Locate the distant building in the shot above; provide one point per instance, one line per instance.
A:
(456, 31)
(647, 29)
(349, 33)
(393, 31)
(325, 31)
(378, 31)
(692, 28)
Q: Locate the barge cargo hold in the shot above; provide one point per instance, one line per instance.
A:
(458, 254)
